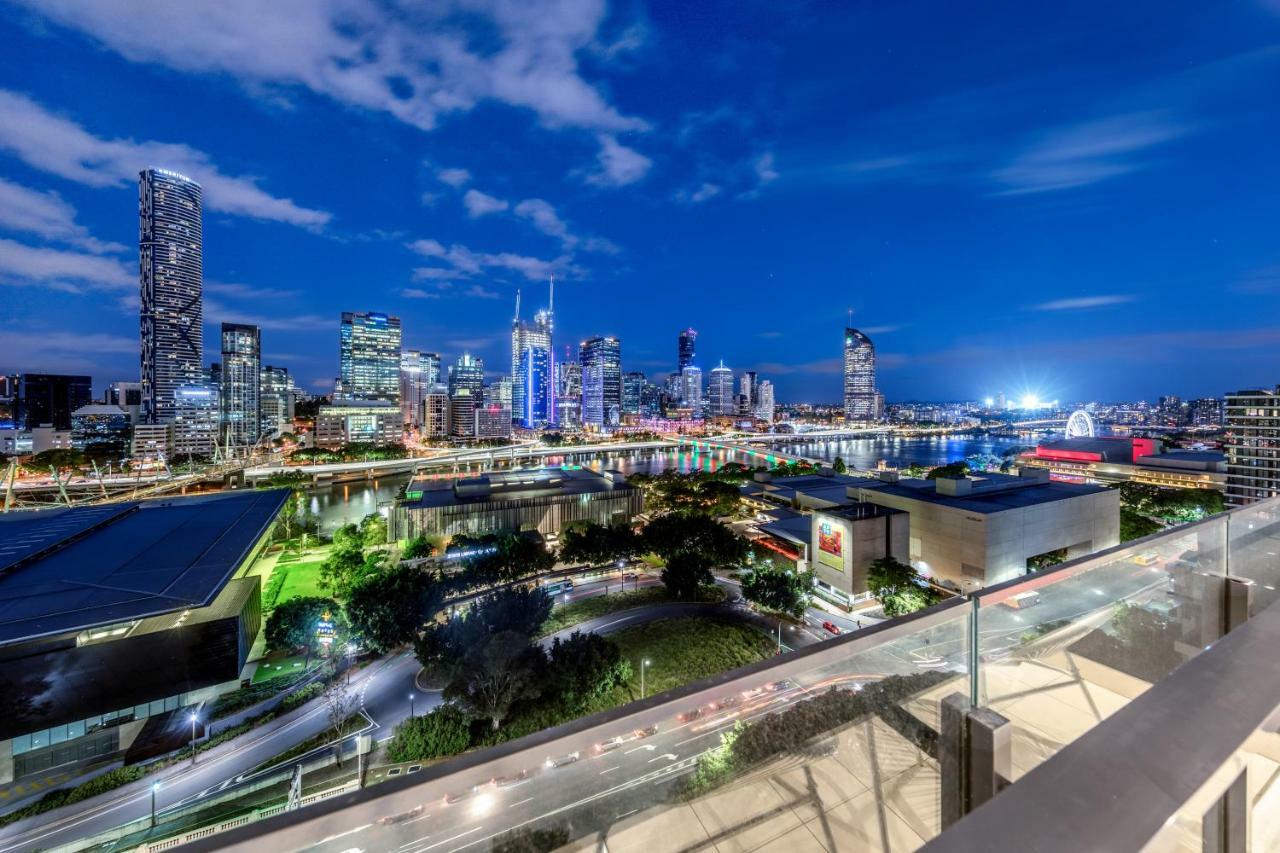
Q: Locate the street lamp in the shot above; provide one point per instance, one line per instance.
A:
(410, 704)
(643, 665)
(155, 786)
(193, 717)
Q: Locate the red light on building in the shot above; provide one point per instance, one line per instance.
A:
(1067, 455)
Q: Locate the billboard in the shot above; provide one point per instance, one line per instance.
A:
(830, 544)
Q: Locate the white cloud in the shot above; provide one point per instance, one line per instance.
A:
(618, 164)
(216, 312)
(460, 262)
(46, 215)
(58, 351)
(1081, 302)
(1086, 153)
(64, 269)
(481, 204)
(453, 177)
(705, 192)
(416, 62)
(61, 147)
(766, 172)
(238, 290)
(544, 218)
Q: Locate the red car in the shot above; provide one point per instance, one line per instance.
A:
(831, 627)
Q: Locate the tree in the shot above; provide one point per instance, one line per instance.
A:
(444, 731)
(373, 530)
(390, 607)
(339, 703)
(783, 591)
(685, 572)
(417, 548)
(342, 569)
(953, 471)
(292, 625)
(494, 674)
(59, 457)
(520, 609)
(838, 465)
(502, 557)
(584, 667)
(898, 587)
(348, 536)
(1133, 525)
(587, 542)
(1171, 505)
(677, 533)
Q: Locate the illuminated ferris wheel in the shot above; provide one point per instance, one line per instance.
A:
(1081, 425)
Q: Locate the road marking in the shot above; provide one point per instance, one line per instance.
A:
(647, 746)
(454, 838)
(610, 770)
(521, 803)
(669, 756)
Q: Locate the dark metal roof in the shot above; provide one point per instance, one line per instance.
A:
(73, 569)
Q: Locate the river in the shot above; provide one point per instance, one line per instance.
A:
(340, 503)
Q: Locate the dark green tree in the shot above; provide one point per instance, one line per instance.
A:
(685, 572)
(292, 625)
(389, 608)
(494, 674)
(340, 571)
(676, 533)
(1134, 525)
(898, 587)
(373, 530)
(445, 731)
(776, 589)
(582, 668)
(838, 465)
(596, 544)
(348, 536)
(59, 457)
(417, 548)
(953, 471)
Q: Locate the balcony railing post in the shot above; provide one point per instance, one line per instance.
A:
(953, 734)
(975, 756)
(1237, 600)
(1226, 823)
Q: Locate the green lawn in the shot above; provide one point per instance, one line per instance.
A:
(602, 605)
(683, 650)
(279, 667)
(302, 578)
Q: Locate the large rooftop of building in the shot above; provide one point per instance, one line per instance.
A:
(65, 570)
(988, 493)
(512, 485)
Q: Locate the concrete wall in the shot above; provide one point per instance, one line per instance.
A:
(865, 540)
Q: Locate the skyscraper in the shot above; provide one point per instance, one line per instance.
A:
(419, 373)
(240, 414)
(569, 392)
(764, 401)
(466, 394)
(532, 368)
(862, 402)
(369, 356)
(720, 392)
(1252, 420)
(747, 387)
(691, 389)
(685, 353)
(171, 278)
(48, 399)
(275, 401)
(633, 383)
(601, 360)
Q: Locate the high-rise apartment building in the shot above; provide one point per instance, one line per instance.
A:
(466, 393)
(170, 268)
(601, 360)
(691, 389)
(435, 413)
(862, 402)
(533, 388)
(685, 351)
(419, 374)
(275, 401)
(240, 413)
(369, 356)
(195, 420)
(128, 396)
(1206, 412)
(764, 401)
(569, 392)
(747, 387)
(633, 383)
(48, 399)
(1252, 420)
(720, 397)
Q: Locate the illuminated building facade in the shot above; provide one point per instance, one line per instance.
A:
(686, 348)
(533, 389)
(466, 393)
(862, 402)
(419, 374)
(633, 383)
(369, 356)
(1252, 420)
(720, 399)
(171, 277)
(240, 410)
(195, 420)
(601, 360)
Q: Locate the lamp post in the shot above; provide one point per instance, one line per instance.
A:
(155, 786)
(192, 717)
(779, 636)
(410, 704)
(643, 666)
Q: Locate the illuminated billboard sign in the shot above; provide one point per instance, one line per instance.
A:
(830, 545)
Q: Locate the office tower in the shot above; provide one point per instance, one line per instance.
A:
(720, 392)
(275, 390)
(601, 360)
(633, 383)
(419, 373)
(532, 368)
(435, 413)
(764, 400)
(651, 400)
(48, 399)
(675, 387)
(128, 396)
(685, 352)
(747, 387)
(369, 356)
(1252, 421)
(171, 278)
(569, 392)
(1206, 412)
(691, 389)
(861, 400)
(195, 420)
(466, 390)
(241, 416)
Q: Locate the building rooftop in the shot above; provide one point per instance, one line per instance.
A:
(71, 569)
(988, 493)
(511, 485)
(99, 409)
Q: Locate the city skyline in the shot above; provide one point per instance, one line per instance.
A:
(1049, 238)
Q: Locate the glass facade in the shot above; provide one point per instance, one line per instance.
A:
(601, 360)
(1252, 446)
(369, 356)
(532, 386)
(861, 400)
(240, 412)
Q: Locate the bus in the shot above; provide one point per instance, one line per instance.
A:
(565, 586)
(1023, 600)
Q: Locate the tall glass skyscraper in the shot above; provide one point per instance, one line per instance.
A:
(685, 353)
(275, 400)
(532, 397)
(862, 402)
(466, 394)
(601, 360)
(171, 278)
(720, 399)
(633, 383)
(369, 356)
(240, 413)
(419, 374)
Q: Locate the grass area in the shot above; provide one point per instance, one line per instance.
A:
(285, 668)
(108, 781)
(681, 651)
(261, 689)
(602, 605)
(301, 578)
(350, 725)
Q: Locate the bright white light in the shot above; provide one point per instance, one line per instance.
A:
(989, 402)
(1030, 401)
(482, 805)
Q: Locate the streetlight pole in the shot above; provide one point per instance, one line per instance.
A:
(193, 719)
(410, 704)
(643, 665)
(155, 786)
(779, 636)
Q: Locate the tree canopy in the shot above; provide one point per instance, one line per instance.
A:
(685, 572)
(953, 471)
(899, 587)
(587, 542)
(389, 607)
(777, 589)
(293, 623)
(676, 533)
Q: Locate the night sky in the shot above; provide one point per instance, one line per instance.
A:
(1078, 200)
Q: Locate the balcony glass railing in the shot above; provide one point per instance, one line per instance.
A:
(831, 747)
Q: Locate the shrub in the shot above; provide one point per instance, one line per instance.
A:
(444, 731)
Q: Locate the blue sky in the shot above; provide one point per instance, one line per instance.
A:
(1080, 200)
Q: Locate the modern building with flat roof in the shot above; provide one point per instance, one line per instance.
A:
(541, 499)
(114, 617)
(1111, 460)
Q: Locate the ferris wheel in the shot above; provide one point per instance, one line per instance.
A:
(1081, 425)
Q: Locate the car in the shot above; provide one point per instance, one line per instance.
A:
(830, 627)
(450, 799)
(610, 744)
(727, 702)
(753, 693)
(776, 686)
(690, 715)
(513, 779)
(1147, 558)
(388, 820)
(552, 763)
(646, 732)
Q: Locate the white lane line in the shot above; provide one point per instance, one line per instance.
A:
(521, 803)
(454, 838)
(610, 770)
